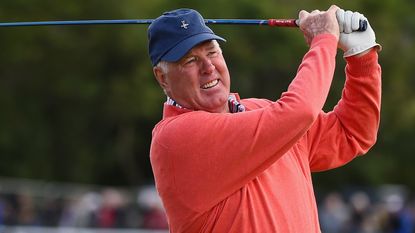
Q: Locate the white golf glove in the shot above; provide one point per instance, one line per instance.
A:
(351, 41)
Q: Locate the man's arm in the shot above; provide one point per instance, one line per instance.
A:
(351, 128)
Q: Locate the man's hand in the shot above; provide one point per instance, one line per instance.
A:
(354, 42)
(319, 22)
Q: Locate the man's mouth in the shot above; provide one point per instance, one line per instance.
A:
(210, 84)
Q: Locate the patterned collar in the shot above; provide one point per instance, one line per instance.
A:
(233, 103)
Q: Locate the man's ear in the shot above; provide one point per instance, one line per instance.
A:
(161, 77)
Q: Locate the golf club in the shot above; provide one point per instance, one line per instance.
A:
(266, 22)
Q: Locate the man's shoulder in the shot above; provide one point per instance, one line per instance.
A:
(175, 119)
(255, 103)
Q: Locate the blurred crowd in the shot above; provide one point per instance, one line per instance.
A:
(387, 209)
(106, 208)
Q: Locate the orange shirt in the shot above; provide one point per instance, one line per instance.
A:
(251, 171)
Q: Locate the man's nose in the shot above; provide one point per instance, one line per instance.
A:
(207, 65)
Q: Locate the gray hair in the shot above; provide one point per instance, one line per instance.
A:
(163, 65)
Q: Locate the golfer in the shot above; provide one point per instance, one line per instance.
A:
(225, 164)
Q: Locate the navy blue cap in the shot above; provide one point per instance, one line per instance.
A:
(176, 32)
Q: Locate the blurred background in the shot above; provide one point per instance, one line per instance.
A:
(78, 103)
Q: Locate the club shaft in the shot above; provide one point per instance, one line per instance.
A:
(266, 22)
(75, 22)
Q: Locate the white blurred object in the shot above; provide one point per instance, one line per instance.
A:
(394, 203)
(148, 198)
(360, 201)
(393, 197)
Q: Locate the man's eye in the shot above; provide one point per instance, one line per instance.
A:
(213, 53)
(189, 60)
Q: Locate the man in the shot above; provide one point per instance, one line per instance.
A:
(224, 164)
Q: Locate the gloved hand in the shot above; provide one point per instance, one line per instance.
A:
(351, 41)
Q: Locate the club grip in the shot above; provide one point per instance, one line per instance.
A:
(362, 24)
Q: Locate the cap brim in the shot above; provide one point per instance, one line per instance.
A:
(178, 51)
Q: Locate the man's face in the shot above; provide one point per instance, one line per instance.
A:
(198, 81)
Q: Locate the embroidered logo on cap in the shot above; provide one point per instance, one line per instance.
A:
(184, 24)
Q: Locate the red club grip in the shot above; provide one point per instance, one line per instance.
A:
(282, 23)
(293, 23)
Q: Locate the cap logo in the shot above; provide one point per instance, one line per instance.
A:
(184, 24)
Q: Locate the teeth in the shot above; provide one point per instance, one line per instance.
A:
(210, 84)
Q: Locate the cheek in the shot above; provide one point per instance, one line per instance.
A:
(220, 64)
(224, 72)
(182, 82)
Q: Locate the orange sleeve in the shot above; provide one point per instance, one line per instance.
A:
(351, 128)
(199, 158)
